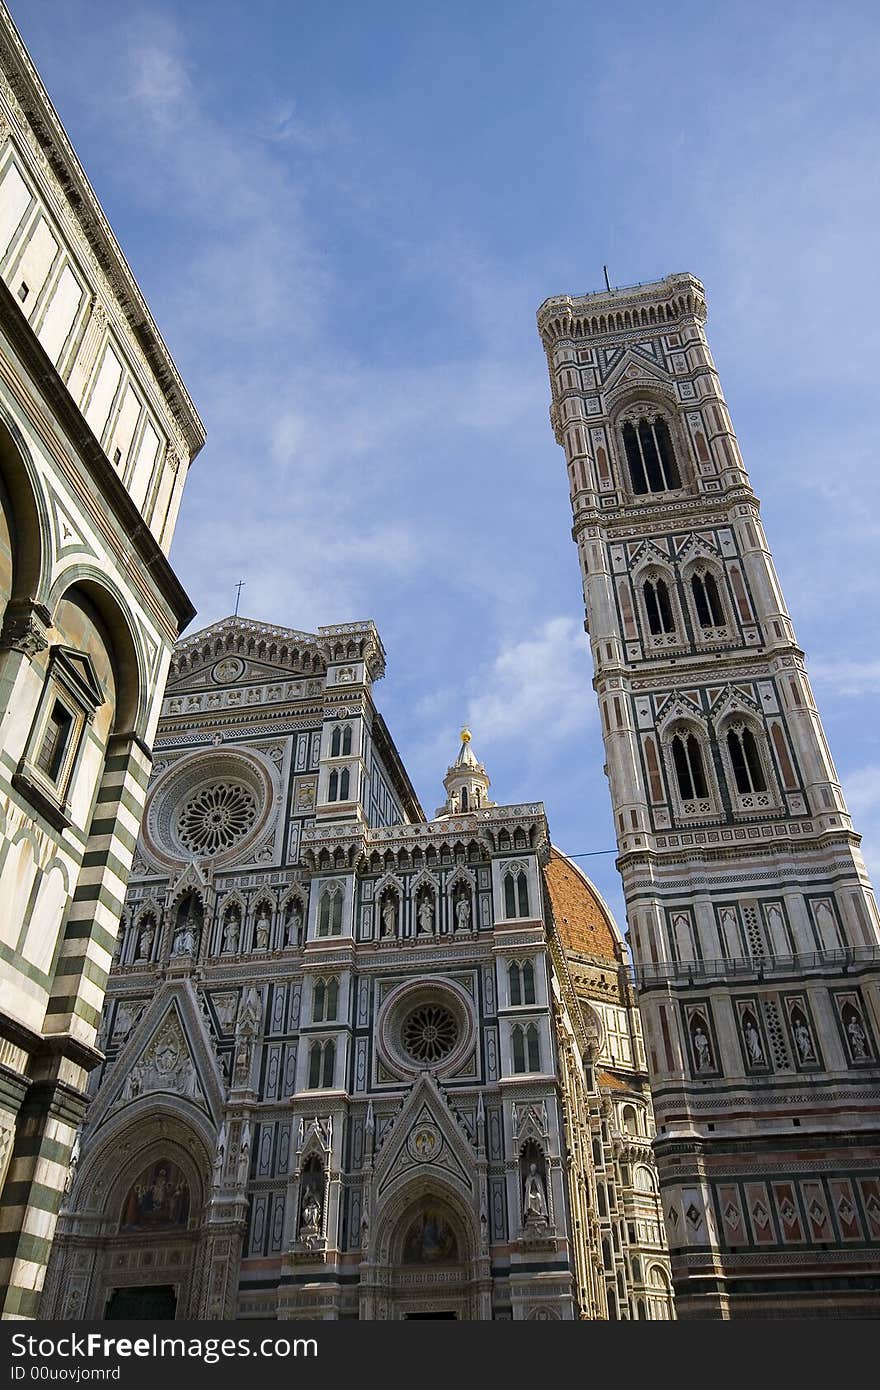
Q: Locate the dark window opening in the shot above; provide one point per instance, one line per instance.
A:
(55, 740)
(688, 760)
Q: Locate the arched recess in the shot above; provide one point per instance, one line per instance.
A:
(115, 1225)
(426, 1253)
(91, 589)
(26, 548)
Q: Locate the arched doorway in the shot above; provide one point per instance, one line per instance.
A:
(429, 1259)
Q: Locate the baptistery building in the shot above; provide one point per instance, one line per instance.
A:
(359, 1062)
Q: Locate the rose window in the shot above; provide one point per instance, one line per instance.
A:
(216, 818)
(429, 1033)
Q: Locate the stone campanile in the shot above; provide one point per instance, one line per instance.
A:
(752, 922)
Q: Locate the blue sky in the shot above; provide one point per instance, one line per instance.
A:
(344, 218)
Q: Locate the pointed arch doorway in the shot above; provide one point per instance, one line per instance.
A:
(428, 1265)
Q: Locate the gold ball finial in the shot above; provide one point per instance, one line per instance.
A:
(465, 735)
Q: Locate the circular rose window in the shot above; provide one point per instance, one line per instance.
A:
(426, 1024)
(214, 804)
(216, 818)
(429, 1033)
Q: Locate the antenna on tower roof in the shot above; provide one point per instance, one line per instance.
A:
(607, 281)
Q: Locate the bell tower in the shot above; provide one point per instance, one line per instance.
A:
(752, 923)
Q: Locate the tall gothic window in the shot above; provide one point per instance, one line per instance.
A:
(340, 741)
(526, 1049)
(516, 893)
(325, 1001)
(658, 606)
(649, 453)
(743, 749)
(338, 786)
(330, 913)
(690, 774)
(707, 600)
(322, 1064)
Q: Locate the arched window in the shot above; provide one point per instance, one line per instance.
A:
(687, 758)
(747, 770)
(707, 600)
(658, 606)
(464, 798)
(650, 456)
(516, 892)
(335, 742)
(528, 983)
(526, 1049)
(330, 913)
(325, 1001)
(515, 979)
(333, 786)
(322, 1064)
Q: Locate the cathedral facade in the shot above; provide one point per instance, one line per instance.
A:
(359, 1063)
(97, 433)
(751, 919)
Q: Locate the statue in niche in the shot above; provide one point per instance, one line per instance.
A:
(311, 1214)
(294, 927)
(185, 937)
(858, 1038)
(453, 803)
(752, 1039)
(534, 1196)
(389, 917)
(146, 937)
(263, 927)
(426, 917)
(232, 933)
(702, 1046)
(803, 1038)
(463, 914)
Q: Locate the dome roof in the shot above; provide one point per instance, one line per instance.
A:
(583, 921)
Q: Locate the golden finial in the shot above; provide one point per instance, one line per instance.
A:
(465, 735)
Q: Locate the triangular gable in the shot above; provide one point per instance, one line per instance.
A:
(692, 546)
(634, 366)
(644, 554)
(168, 1052)
(425, 1138)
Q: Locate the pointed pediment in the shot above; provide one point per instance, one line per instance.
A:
(694, 547)
(426, 1138)
(733, 698)
(193, 878)
(168, 1052)
(634, 365)
(681, 705)
(646, 554)
(221, 654)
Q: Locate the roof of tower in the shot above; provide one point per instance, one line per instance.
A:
(466, 756)
(584, 921)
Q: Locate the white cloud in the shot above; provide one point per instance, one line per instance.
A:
(846, 677)
(537, 689)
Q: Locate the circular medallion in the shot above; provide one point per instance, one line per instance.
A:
(229, 669)
(424, 1143)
